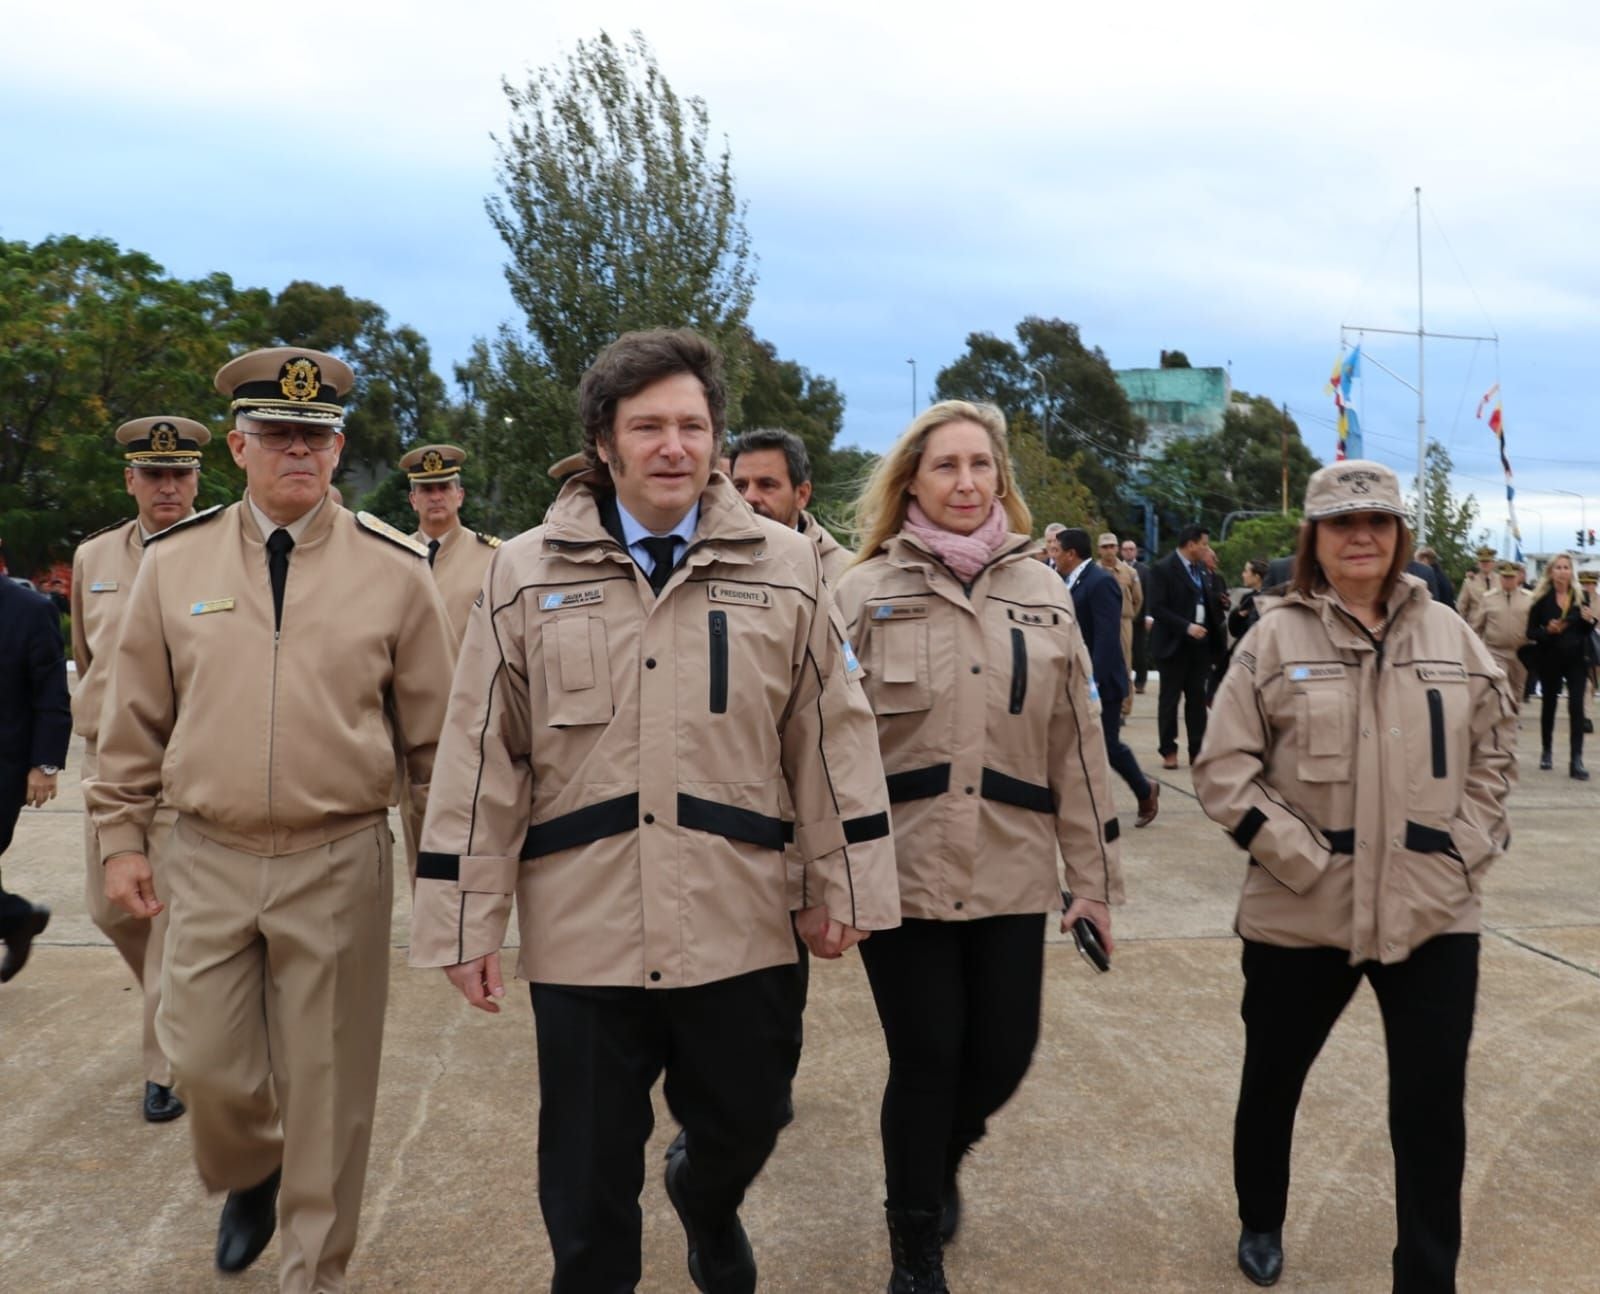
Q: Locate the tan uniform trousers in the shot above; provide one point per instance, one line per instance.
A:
(1127, 656)
(410, 818)
(1516, 673)
(139, 941)
(276, 978)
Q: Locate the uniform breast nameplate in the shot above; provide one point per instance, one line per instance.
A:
(1442, 673)
(900, 611)
(103, 586)
(213, 604)
(1308, 673)
(739, 595)
(571, 598)
(1032, 617)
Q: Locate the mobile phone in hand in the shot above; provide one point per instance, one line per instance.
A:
(1087, 938)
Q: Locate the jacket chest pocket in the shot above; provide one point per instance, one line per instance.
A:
(1323, 717)
(577, 671)
(899, 677)
(1434, 731)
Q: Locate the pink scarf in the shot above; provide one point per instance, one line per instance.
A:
(966, 555)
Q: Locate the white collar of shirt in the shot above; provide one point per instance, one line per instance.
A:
(424, 538)
(633, 531)
(295, 528)
(1074, 574)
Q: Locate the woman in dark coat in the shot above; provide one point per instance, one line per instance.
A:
(1559, 627)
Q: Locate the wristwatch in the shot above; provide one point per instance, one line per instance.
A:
(49, 770)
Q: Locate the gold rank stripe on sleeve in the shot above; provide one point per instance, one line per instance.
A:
(381, 528)
(198, 519)
(486, 539)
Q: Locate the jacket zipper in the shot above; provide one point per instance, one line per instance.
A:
(718, 621)
(1436, 730)
(1019, 670)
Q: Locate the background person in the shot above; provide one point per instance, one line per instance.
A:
(1500, 618)
(1188, 625)
(161, 471)
(1559, 626)
(772, 472)
(1362, 753)
(979, 679)
(1132, 605)
(1476, 583)
(1141, 624)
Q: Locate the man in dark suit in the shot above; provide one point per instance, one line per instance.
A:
(1097, 604)
(35, 726)
(1188, 622)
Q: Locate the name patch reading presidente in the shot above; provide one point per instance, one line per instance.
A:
(900, 611)
(103, 586)
(738, 594)
(572, 598)
(214, 604)
(1303, 673)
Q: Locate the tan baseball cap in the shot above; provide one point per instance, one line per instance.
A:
(163, 441)
(1355, 485)
(1107, 538)
(285, 384)
(434, 462)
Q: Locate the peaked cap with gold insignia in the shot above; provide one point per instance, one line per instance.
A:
(433, 463)
(162, 441)
(287, 384)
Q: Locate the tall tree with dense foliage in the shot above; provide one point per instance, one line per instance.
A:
(1451, 520)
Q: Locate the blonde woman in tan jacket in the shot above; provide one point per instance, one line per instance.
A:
(1361, 749)
(991, 741)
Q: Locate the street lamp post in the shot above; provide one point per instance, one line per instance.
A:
(913, 364)
(1583, 511)
(1044, 392)
(1523, 507)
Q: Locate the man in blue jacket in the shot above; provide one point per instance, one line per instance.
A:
(1097, 603)
(35, 726)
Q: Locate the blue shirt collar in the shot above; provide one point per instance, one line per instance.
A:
(633, 530)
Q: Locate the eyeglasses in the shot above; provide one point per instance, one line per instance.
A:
(277, 439)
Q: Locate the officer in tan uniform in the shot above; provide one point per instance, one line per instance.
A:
(1132, 603)
(772, 472)
(1500, 618)
(162, 472)
(654, 668)
(269, 653)
(1475, 584)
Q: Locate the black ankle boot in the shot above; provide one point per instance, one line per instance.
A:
(1577, 770)
(1544, 760)
(950, 1196)
(1261, 1255)
(918, 1255)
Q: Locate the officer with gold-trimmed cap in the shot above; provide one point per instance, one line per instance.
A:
(460, 559)
(272, 655)
(161, 471)
(1476, 583)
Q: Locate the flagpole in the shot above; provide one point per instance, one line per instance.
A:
(1422, 420)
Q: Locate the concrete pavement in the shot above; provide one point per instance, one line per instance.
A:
(1110, 1170)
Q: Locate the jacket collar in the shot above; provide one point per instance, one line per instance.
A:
(316, 530)
(1343, 629)
(576, 524)
(909, 553)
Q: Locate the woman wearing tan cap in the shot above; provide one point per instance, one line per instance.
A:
(1360, 749)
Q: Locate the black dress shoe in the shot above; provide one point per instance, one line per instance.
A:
(950, 1211)
(720, 1258)
(160, 1105)
(1579, 771)
(24, 929)
(1261, 1255)
(249, 1217)
(1544, 760)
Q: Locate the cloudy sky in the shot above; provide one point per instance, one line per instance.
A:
(1232, 179)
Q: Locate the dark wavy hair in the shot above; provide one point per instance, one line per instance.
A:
(633, 362)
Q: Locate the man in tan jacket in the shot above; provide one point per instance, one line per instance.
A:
(1476, 583)
(161, 471)
(654, 668)
(1132, 604)
(270, 653)
(1500, 618)
(772, 472)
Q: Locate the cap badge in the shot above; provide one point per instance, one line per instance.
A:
(300, 379)
(433, 461)
(163, 439)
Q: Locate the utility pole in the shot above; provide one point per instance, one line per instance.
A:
(1283, 455)
(913, 364)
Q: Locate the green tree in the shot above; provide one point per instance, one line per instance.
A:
(1174, 359)
(1450, 520)
(617, 213)
(1062, 384)
(1053, 487)
(1266, 537)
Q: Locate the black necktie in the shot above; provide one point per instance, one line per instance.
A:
(433, 550)
(663, 550)
(279, 542)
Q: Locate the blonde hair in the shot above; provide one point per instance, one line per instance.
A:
(880, 509)
(1544, 585)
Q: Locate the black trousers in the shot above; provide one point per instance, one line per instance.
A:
(1183, 675)
(1122, 759)
(1292, 997)
(959, 1005)
(726, 1049)
(1554, 670)
(1141, 653)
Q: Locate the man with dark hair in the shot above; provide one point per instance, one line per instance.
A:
(772, 472)
(1188, 622)
(35, 726)
(654, 669)
(1097, 600)
(1425, 566)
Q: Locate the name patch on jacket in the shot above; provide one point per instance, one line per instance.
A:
(572, 598)
(213, 604)
(1442, 673)
(900, 611)
(1305, 673)
(103, 586)
(738, 595)
(1033, 617)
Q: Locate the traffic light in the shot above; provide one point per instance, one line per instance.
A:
(1591, 537)
(1580, 539)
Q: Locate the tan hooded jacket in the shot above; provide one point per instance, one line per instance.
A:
(990, 732)
(274, 742)
(616, 760)
(1367, 781)
(458, 569)
(835, 557)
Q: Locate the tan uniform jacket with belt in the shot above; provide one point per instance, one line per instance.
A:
(1501, 619)
(103, 570)
(458, 569)
(989, 729)
(835, 556)
(274, 742)
(1474, 586)
(616, 760)
(1368, 782)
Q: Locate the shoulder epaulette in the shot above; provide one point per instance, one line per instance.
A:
(106, 530)
(487, 539)
(199, 518)
(378, 526)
